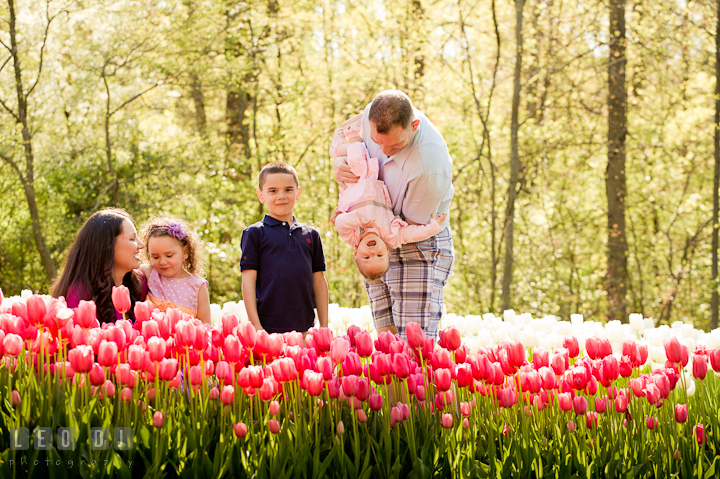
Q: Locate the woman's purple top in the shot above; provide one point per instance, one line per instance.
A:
(76, 293)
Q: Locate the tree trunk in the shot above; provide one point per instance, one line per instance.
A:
(514, 159)
(28, 179)
(199, 102)
(716, 176)
(616, 276)
(238, 100)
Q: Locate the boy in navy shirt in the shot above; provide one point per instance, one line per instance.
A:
(282, 260)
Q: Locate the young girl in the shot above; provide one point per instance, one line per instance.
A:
(364, 216)
(173, 249)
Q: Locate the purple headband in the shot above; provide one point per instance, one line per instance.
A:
(175, 229)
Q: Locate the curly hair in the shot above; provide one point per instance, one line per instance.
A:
(160, 226)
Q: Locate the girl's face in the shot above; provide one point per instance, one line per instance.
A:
(167, 256)
(127, 251)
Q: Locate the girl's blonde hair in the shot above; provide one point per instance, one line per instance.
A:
(180, 230)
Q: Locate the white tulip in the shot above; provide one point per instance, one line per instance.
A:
(508, 315)
(215, 314)
(636, 322)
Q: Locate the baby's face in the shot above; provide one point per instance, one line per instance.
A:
(371, 254)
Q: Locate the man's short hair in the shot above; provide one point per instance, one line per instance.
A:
(389, 109)
(277, 167)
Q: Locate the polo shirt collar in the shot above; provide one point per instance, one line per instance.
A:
(270, 221)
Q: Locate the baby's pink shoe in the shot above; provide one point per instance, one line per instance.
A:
(352, 127)
(338, 140)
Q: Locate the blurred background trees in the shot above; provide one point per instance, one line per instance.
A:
(173, 107)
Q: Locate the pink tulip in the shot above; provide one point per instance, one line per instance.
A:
(339, 350)
(248, 334)
(274, 426)
(579, 405)
(323, 338)
(375, 402)
(313, 382)
(363, 389)
(196, 375)
(340, 428)
(571, 426)
(557, 362)
(267, 390)
(443, 379)
(97, 373)
(362, 415)
(13, 345)
(15, 398)
(621, 403)
(447, 421)
(123, 375)
(591, 419)
(364, 344)
(126, 394)
(240, 429)
(681, 413)
(185, 334)
(121, 299)
(36, 309)
(625, 367)
(232, 351)
(415, 335)
(420, 393)
(325, 367)
(700, 366)
(136, 356)
(274, 408)
(107, 353)
(673, 350)
(108, 389)
(227, 395)
(350, 385)
(508, 397)
(600, 405)
(168, 369)
(352, 364)
(214, 393)
(463, 375)
(715, 359)
(143, 311)
(541, 358)
(81, 358)
(401, 366)
(158, 419)
(156, 347)
(610, 368)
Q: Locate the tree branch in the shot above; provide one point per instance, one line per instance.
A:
(132, 99)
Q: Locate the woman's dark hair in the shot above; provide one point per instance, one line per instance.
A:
(90, 261)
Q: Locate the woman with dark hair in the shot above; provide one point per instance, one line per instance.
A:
(105, 253)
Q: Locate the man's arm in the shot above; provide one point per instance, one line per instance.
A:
(249, 280)
(322, 297)
(424, 196)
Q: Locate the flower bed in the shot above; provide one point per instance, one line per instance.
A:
(179, 398)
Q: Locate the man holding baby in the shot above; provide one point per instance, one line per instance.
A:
(416, 167)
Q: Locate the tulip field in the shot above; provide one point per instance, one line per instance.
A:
(167, 396)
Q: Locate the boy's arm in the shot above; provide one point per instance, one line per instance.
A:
(322, 297)
(249, 280)
(203, 312)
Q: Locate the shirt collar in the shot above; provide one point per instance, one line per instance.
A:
(270, 221)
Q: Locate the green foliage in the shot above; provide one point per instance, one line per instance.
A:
(162, 73)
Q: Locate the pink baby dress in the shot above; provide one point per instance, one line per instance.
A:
(181, 293)
(368, 199)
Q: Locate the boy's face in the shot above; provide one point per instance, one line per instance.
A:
(278, 194)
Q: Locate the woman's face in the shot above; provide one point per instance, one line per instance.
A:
(127, 250)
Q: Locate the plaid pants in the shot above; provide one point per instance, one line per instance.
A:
(412, 289)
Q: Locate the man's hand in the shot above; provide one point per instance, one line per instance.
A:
(343, 174)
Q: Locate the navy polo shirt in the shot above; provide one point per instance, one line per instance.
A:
(285, 256)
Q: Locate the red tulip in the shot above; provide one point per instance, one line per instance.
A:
(465, 409)
(663, 384)
(274, 408)
(681, 413)
(240, 429)
(136, 356)
(275, 344)
(571, 344)
(621, 403)
(447, 421)
(325, 367)
(364, 344)
(579, 405)
(323, 338)
(274, 426)
(625, 367)
(350, 385)
(150, 329)
(463, 375)
(651, 422)
(36, 309)
(214, 394)
(339, 350)
(549, 378)
(415, 335)
(579, 378)
(108, 389)
(267, 389)
(185, 334)
(158, 418)
(121, 299)
(652, 393)
(168, 369)
(600, 404)
(701, 434)
(673, 349)
(610, 368)
(592, 346)
(363, 389)
(401, 366)
(196, 375)
(123, 376)
(228, 323)
(248, 334)
(97, 373)
(557, 362)
(699, 366)
(443, 379)
(227, 395)
(353, 365)
(420, 393)
(629, 349)
(375, 402)
(452, 338)
(591, 419)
